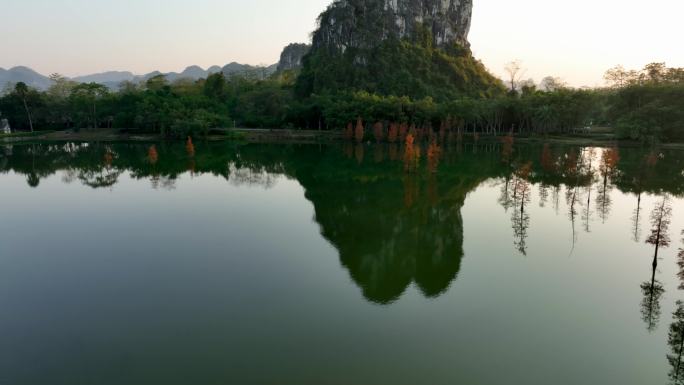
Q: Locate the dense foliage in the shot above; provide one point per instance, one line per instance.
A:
(399, 67)
(645, 105)
(648, 104)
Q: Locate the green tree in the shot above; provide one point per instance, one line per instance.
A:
(23, 91)
(87, 96)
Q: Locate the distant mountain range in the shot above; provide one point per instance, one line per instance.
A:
(23, 74)
(113, 79)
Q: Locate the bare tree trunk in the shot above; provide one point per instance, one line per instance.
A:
(28, 114)
(94, 116)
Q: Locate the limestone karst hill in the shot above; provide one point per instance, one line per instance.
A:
(415, 48)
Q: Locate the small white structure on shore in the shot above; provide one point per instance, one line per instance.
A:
(5, 127)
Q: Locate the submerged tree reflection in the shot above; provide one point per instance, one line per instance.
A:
(676, 342)
(521, 197)
(653, 290)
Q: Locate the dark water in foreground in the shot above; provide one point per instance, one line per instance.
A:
(274, 264)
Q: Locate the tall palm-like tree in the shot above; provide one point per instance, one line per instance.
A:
(22, 91)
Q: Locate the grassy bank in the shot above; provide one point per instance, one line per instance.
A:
(601, 137)
(132, 135)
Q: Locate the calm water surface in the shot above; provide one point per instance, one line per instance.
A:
(306, 264)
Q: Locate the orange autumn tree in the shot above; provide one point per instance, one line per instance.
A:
(413, 132)
(190, 148)
(152, 155)
(360, 131)
(393, 133)
(379, 131)
(403, 130)
(433, 154)
(411, 154)
(349, 131)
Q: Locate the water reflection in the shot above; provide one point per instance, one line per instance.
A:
(393, 212)
(395, 216)
(675, 341)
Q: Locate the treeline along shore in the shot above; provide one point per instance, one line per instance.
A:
(645, 105)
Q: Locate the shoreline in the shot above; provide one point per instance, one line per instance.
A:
(250, 135)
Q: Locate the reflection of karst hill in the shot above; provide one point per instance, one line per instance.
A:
(385, 243)
(392, 229)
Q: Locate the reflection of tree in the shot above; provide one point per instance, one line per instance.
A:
(650, 162)
(379, 153)
(507, 149)
(521, 197)
(543, 194)
(604, 200)
(190, 148)
(586, 214)
(654, 290)
(572, 169)
(33, 180)
(251, 176)
(505, 197)
(104, 177)
(572, 199)
(548, 162)
(152, 155)
(650, 305)
(359, 152)
(676, 336)
(680, 263)
(660, 222)
(556, 199)
(607, 167)
(676, 342)
(163, 182)
(636, 220)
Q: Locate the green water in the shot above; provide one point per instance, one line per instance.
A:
(332, 264)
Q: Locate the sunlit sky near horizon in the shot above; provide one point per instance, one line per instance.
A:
(575, 40)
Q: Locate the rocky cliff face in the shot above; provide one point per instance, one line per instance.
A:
(414, 48)
(291, 58)
(362, 23)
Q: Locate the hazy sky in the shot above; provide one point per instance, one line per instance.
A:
(575, 40)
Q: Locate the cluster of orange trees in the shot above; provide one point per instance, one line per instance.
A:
(410, 135)
(397, 132)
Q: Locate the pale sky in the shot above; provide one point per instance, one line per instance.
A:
(576, 40)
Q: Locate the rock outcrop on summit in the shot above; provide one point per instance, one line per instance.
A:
(361, 23)
(292, 56)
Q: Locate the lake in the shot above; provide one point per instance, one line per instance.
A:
(225, 263)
